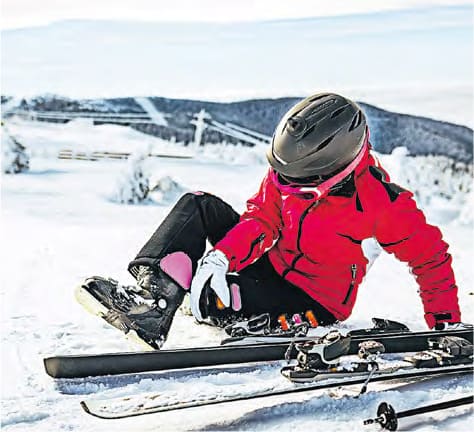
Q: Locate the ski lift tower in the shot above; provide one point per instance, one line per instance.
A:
(199, 121)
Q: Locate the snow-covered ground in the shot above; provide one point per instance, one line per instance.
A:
(59, 226)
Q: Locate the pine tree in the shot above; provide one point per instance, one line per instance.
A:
(15, 158)
(134, 184)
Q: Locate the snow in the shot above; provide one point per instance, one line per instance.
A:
(60, 226)
(155, 115)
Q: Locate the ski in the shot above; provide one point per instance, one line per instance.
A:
(80, 366)
(316, 360)
(150, 403)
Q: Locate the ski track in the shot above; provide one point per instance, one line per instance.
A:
(323, 411)
(59, 227)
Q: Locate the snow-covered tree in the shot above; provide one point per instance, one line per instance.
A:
(167, 190)
(15, 159)
(466, 215)
(430, 177)
(134, 184)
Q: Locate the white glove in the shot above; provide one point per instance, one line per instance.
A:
(213, 266)
(453, 326)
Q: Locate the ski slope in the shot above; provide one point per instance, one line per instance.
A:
(59, 226)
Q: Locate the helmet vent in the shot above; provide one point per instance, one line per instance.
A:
(325, 143)
(319, 96)
(356, 121)
(338, 111)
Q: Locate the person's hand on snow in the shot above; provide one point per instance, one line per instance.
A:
(453, 326)
(213, 267)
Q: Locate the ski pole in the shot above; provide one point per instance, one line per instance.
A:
(387, 417)
(375, 367)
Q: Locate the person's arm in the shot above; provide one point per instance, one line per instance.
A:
(257, 230)
(401, 229)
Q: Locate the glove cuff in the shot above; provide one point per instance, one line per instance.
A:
(221, 256)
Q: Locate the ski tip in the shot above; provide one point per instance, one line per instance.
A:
(99, 411)
(85, 407)
(50, 367)
(91, 412)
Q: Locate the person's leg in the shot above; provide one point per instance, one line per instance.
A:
(195, 218)
(163, 269)
(260, 289)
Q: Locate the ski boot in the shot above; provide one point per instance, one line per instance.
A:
(143, 312)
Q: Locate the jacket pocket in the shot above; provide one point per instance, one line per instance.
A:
(352, 285)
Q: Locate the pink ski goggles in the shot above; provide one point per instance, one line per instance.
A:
(322, 189)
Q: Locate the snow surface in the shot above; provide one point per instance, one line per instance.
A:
(60, 226)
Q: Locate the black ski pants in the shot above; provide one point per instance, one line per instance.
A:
(200, 217)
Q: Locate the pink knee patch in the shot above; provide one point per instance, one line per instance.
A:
(197, 193)
(178, 265)
(236, 299)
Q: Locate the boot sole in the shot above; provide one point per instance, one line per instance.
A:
(95, 307)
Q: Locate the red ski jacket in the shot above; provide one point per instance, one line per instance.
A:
(316, 243)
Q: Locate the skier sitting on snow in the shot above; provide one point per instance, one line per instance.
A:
(297, 247)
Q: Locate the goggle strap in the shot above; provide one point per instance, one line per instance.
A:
(323, 189)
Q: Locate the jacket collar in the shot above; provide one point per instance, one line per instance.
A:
(345, 188)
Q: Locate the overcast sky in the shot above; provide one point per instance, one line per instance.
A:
(26, 13)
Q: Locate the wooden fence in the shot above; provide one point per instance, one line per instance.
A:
(95, 156)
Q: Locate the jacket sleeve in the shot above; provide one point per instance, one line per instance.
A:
(257, 230)
(402, 230)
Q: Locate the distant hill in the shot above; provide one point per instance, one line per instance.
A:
(420, 135)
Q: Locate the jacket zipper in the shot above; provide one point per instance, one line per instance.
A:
(254, 243)
(351, 286)
(298, 240)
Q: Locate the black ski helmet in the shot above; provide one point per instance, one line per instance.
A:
(317, 137)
